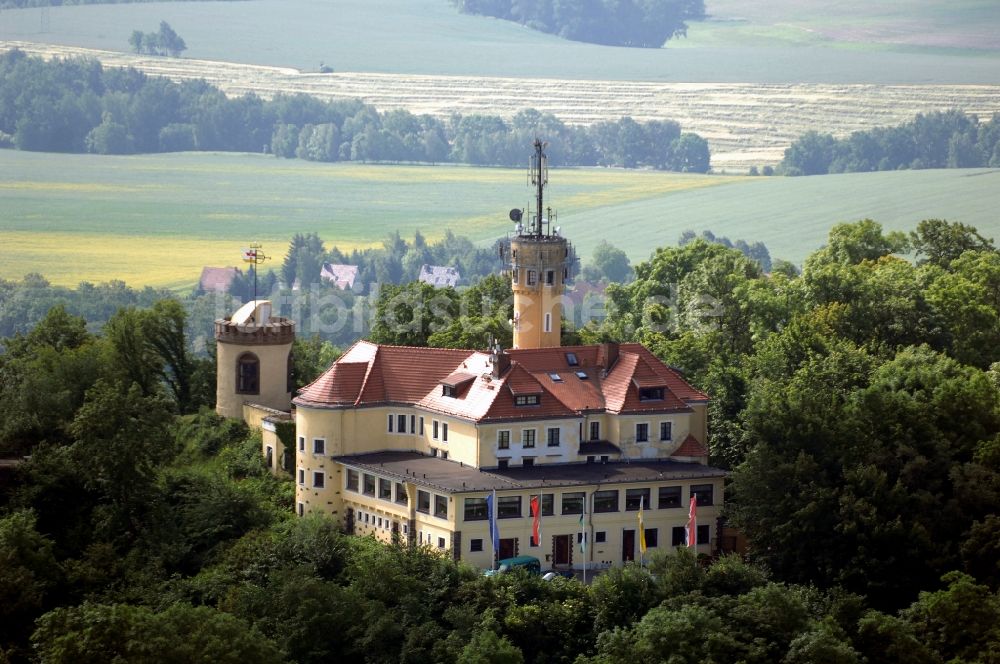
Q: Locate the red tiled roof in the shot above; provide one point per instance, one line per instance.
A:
(217, 279)
(406, 375)
(691, 447)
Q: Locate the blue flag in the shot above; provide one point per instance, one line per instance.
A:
(494, 528)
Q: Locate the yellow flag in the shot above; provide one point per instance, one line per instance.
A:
(642, 533)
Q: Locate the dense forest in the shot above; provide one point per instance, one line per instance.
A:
(77, 105)
(949, 139)
(857, 404)
(642, 23)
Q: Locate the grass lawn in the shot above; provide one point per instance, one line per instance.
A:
(157, 219)
(752, 41)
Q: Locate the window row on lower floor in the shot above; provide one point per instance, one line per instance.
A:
(678, 537)
(596, 502)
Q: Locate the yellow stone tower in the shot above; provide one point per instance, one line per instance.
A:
(539, 264)
(253, 360)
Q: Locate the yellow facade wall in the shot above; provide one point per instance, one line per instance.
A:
(272, 378)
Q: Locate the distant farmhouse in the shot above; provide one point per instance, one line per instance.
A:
(341, 276)
(439, 275)
(582, 456)
(217, 279)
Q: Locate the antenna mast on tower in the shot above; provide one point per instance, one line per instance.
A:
(539, 175)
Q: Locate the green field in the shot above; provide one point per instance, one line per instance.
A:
(746, 41)
(156, 220)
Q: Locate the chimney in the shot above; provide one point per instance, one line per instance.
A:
(607, 355)
(500, 360)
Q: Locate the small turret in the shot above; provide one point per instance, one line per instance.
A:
(254, 355)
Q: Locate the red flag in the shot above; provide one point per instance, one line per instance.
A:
(692, 527)
(536, 512)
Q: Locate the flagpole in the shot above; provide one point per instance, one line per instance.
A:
(583, 537)
(494, 531)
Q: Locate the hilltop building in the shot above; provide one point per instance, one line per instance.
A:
(439, 275)
(406, 444)
(341, 276)
(217, 279)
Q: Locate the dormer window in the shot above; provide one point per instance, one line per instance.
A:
(650, 394)
(571, 360)
(526, 400)
(447, 391)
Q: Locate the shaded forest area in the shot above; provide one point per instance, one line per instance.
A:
(857, 404)
(949, 139)
(639, 23)
(78, 106)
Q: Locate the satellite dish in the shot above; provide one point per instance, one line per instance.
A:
(515, 215)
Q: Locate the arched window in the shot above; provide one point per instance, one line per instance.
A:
(248, 374)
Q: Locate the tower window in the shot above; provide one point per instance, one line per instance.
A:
(532, 277)
(515, 272)
(248, 374)
(550, 277)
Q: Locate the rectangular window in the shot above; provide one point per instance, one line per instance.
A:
(669, 497)
(595, 430)
(548, 322)
(302, 509)
(666, 430)
(652, 538)
(401, 423)
(421, 425)
(550, 277)
(475, 545)
(401, 497)
(636, 497)
(392, 419)
(441, 507)
(600, 537)
(369, 485)
(572, 502)
(302, 443)
(532, 277)
(528, 462)
(508, 507)
(476, 510)
(440, 542)
(650, 394)
(423, 501)
(444, 454)
(379, 524)
(269, 456)
(434, 429)
(413, 423)
(503, 440)
(553, 435)
(444, 432)
(704, 493)
(526, 400)
(384, 489)
(678, 536)
(703, 535)
(641, 432)
(606, 501)
(571, 359)
(447, 391)
(527, 438)
(302, 476)
(548, 504)
(319, 446)
(503, 463)
(516, 274)
(353, 480)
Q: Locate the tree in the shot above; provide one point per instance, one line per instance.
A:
(940, 242)
(612, 262)
(28, 575)
(169, 40)
(93, 633)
